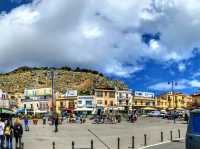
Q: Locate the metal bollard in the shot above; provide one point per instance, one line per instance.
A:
(145, 140)
(118, 143)
(171, 136)
(73, 144)
(133, 142)
(22, 145)
(53, 145)
(161, 136)
(92, 144)
(179, 133)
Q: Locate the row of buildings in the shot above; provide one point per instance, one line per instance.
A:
(41, 101)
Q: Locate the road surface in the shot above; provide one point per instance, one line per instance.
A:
(173, 145)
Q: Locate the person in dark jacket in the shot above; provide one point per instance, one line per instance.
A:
(56, 123)
(18, 132)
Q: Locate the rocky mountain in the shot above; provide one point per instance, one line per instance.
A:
(83, 80)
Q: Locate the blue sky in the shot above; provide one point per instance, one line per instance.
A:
(144, 43)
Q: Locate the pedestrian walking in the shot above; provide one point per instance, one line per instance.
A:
(8, 134)
(56, 123)
(44, 120)
(26, 123)
(2, 125)
(18, 132)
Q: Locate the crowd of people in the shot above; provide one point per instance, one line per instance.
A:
(8, 130)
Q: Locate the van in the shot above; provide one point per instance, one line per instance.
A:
(193, 130)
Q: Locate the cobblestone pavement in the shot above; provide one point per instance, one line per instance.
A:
(41, 137)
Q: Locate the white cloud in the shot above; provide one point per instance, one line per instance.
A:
(195, 83)
(181, 84)
(166, 86)
(181, 67)
(89, 33)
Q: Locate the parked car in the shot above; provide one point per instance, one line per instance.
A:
(154, 114)
(193, 130)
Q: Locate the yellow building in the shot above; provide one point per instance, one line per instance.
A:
(171, 101)
(66, 102)
(196, 100)
(144, 100)
(105, 97)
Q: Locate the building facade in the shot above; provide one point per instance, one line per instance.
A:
(124, 99)
(196, 100)
(105, 97)
(66, 102)
(86, 103)
(144, 100)
(171, 101)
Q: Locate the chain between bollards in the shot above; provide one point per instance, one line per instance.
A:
(118, 143)
(145, 140)
(171, 136)
(73, 144)
(161, 136)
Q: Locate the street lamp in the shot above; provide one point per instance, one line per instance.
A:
(52, 75)
(173, 84)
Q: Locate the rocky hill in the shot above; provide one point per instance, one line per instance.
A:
(83, 80)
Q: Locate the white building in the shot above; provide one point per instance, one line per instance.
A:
(85, 103)
(35, 106)
(124, 99)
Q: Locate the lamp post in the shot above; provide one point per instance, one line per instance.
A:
(173, 84)
(51, 75)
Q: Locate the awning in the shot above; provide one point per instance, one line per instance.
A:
(149, 108)
(39, 111)
(6, 111)
(84, 109)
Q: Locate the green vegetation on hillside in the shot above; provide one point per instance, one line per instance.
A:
(83, 80)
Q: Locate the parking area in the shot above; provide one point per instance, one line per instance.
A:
(104, 135)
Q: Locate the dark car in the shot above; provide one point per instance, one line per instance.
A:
(193, 131)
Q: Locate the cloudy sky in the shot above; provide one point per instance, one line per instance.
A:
(145, 43)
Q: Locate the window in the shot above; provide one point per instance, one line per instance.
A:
(31, 106)
(106, 102)
(61, 104)
(99, 102)
(120, 95)
(88, 103)
(135, 102)
(126, 95)
(99, 94)
(127, 102)
(24, 106)
(106, 93)
(79, 102)
(111, 103)
(112, 94)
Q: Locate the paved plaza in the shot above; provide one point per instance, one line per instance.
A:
(41, 137)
